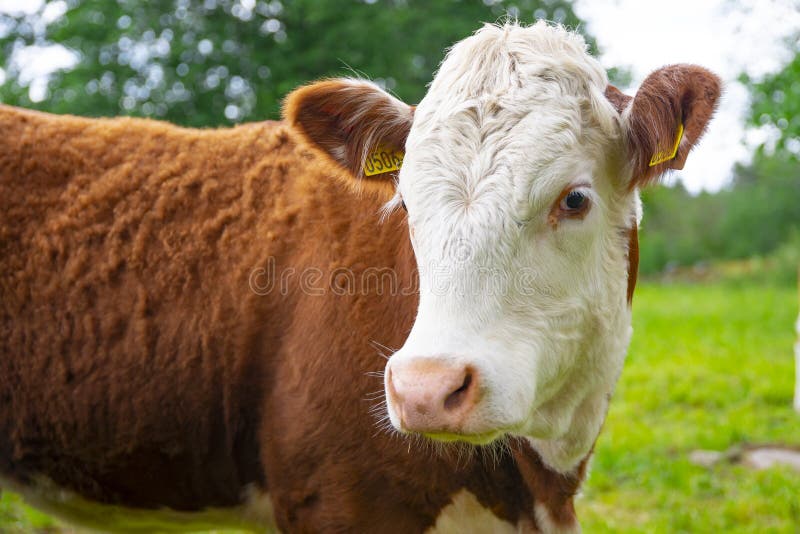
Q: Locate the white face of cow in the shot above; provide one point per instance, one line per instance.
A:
(518, 222)
(519, 185)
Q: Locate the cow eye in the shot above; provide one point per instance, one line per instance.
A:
(575, 201)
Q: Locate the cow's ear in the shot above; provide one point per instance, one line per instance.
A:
(356, 124)
(666, 118)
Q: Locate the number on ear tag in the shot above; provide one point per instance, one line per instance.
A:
(383, 159)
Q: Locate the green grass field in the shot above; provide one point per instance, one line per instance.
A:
(710, 367)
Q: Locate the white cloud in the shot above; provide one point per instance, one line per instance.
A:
(17, 7)
(36, 62)
(54, 11)
(727, 37)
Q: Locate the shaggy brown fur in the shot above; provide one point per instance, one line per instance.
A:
(137, 366)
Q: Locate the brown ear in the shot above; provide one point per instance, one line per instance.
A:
(348, 120)
(667, 117)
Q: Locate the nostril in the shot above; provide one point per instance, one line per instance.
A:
(456, 398)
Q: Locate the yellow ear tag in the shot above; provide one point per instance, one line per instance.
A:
(383, 159)
(661, 157)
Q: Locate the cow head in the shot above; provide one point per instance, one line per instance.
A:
(520, 180)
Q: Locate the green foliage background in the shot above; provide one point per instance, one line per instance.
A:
(758, 215)
(187, 61)
(776, 102)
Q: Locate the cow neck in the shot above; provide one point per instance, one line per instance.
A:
(552, 493)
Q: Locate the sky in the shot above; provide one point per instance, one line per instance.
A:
(727, 36)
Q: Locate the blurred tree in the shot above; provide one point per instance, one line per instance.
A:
(756, 215)
(220, 61)
(762, 210)
(677, 228)
(776, 103)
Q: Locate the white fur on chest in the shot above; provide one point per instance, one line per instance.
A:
(465, 515)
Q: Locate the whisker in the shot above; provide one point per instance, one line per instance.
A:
(374, 374)
(380, 345)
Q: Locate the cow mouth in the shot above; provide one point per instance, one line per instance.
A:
(471, 438)
(483, 438)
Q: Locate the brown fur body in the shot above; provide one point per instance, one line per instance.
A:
(139, 368)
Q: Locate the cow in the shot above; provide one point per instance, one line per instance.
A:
(367, 317)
